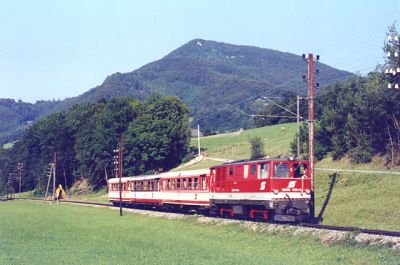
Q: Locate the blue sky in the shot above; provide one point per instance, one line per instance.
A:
(57, 49)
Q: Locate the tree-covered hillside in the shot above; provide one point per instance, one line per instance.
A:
(83, 139)
(219, 82)
(15, 116)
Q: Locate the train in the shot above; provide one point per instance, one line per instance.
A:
(271, 189)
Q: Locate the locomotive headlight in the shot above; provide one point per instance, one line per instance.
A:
(308, 191)
(276, 191)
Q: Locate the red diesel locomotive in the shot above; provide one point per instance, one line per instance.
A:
(275, 189)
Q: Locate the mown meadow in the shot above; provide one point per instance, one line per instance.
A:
(34, 232)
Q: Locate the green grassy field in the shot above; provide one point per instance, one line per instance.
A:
(357, 199)
(39, 233)
(237, 146)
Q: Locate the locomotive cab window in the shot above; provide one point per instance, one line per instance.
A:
(230, 171)
(263, 170)
(281, 170)
(299, 170)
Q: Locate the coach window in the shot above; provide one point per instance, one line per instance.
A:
(184, 184)
(178, 184)
(157, 185)
(230, 171)
(203, 183)
(281, 170)
(168, 184)
(263, 170)
(173, 184)
(164, 184)
(196, 183)
(146, 185)
(190, 183)
(152, 185)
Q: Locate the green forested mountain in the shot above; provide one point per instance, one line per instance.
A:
(219, 82)
(15, 116)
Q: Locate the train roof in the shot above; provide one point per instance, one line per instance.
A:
(186, 173)
(248, 161)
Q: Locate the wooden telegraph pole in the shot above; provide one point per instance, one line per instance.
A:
(310, 79)
(311, 128)
(51, 174)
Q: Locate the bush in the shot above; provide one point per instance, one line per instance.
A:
(256, 147)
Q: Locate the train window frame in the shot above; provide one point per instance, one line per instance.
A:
(231, 171)
(178, 184)
(196, 183)
(279, 166)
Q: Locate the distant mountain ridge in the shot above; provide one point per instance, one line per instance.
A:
(220, 82)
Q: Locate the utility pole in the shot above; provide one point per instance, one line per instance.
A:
(10, 186)
(54, 175)
(51, 174)
(393, 74)
(298, 126)
(20, 168)
(118, 162)
(198, 138)
(310, 80)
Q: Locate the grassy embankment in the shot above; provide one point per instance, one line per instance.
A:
(39, 233)
(357, 199)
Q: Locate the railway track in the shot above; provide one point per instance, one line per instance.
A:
(316, 226)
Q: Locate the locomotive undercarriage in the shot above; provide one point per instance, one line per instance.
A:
(277, 210)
